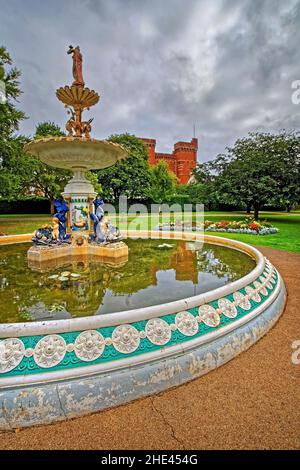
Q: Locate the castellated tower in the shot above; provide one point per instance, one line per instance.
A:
(185, 154)
(181, 161)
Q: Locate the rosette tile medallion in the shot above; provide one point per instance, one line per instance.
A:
(73, 232)
(53, 370)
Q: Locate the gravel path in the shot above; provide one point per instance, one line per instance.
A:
(251, 402)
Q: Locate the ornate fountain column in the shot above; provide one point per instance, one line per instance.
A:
(79, 192)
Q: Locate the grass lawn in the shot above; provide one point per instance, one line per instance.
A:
(287, 239)
(19, 224)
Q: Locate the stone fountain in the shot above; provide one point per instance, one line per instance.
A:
(79, 226)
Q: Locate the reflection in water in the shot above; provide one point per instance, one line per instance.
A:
(150, 276)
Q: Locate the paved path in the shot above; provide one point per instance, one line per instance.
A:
(251, 402)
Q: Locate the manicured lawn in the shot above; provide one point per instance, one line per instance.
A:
(287, 239)
(17, 216)
(19, 224)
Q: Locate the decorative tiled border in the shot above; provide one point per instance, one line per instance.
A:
(29, 355)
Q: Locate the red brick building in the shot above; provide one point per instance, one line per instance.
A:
(181, 161)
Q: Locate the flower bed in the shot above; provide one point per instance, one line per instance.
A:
(249, 226)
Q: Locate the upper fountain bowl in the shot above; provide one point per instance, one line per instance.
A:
(72, 152)
(78, 97)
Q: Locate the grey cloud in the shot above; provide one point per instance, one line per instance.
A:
(161, 66)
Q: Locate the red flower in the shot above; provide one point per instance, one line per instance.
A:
(254, 226)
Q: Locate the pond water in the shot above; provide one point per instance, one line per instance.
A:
(152, 275)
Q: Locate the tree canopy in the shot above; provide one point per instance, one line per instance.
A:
(10, 115)
(15, 174)
(162, 183)
(262, 169)
(48, 129)
(129, 177)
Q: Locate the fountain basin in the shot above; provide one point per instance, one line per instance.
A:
(53, 370)
(73, 153)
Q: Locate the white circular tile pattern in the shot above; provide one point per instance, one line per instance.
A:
(126, 338)
(241, 300)
(49, 351)
(228, 308)
(266, 281)
(158, 331)
(12, 351)
(261, 288)
(253, 294)
(186, 323)
(208, 315)
(89, 345)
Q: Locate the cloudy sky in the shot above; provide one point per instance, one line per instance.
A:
(161, 65)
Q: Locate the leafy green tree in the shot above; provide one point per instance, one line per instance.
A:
(286, 151)
(207, 172)
(129, 177)
(93, 178)
(16, 171)
(200, 193)
(262, 169)
(10, 116)
(162, 183)
(204, 188)
(48, 129)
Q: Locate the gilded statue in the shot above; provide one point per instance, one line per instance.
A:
(77, 65)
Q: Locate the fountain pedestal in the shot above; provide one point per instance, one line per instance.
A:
(40, 256)
(79, 195)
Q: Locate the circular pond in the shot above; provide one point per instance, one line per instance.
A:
(157, 272)
(173, 311)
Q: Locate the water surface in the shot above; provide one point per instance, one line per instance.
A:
(152, 275)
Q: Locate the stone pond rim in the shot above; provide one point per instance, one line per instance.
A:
(56, 370)
(72, 152)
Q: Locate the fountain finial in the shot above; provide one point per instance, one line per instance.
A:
(77, 98)
(77, 65)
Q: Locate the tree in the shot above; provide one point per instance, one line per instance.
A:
(288, 169)
(207, 172)
(162, 183)
(262, 169)
(48, 129)
(201, 193)
(16, 172)
(10, 116)
(204, 189)
(16, 168)
(129, 177)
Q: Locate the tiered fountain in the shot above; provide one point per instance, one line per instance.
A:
(80, 342)
(79, 226)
